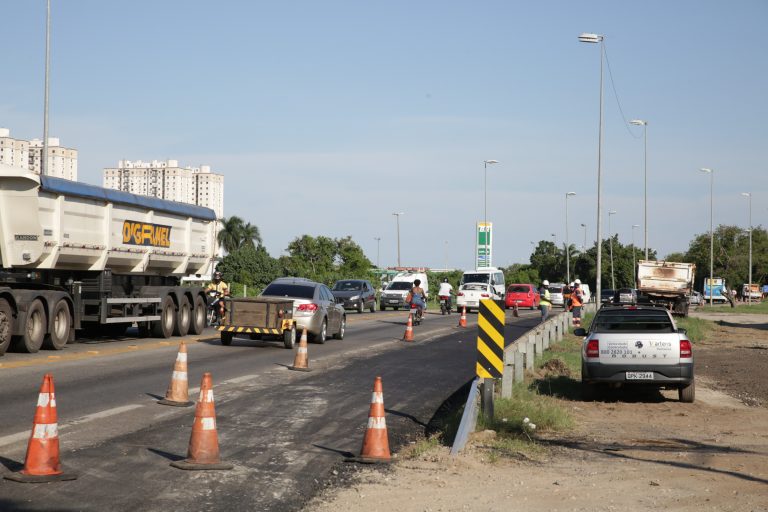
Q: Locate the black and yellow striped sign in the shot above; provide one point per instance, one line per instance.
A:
(248, 330)
(490, 339)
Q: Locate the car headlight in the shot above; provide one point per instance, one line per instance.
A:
(355, 297)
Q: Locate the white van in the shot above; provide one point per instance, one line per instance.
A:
(490, 275)
(393, 296)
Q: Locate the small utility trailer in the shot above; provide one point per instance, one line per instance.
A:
(258, 317)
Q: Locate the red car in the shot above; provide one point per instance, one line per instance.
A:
(524, 295)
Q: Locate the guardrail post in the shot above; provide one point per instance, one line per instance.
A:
(541, 340)
(530, 351)
(519, 363)
(508, 376)
(486, 399)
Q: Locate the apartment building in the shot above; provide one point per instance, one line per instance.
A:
(62, 162)
(167, 180)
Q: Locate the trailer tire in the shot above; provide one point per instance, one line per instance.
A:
(163, 328)
(34, 330)
(289, 337)
(6, 325)
(183, 317)
(62, 322)
(226, 338)
(197, 323)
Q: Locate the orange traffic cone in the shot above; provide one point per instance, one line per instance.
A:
(515, 312)
(203, 450)
(463, 318)
(408, 336)
(376, 441)
(301, 361)
(42, 460)
(178, 392)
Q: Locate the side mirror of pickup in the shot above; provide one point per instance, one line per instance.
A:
(580, 331)
(682, 331)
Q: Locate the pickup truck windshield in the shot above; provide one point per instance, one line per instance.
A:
(400, 285)
(633, 321)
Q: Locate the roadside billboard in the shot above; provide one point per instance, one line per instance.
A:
(484, 245)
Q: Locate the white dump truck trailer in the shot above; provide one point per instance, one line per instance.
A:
(77, 256)
(666, 282)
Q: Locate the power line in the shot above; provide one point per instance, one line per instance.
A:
(616, 95)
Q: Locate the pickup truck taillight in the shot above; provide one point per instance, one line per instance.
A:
(685, 349)
(593, 348)
(484, 295)
(307, 307)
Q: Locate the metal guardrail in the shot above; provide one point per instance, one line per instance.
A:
(468, 418)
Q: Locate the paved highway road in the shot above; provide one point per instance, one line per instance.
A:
(284, 431)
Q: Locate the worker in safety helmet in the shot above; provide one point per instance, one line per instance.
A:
(545, 300)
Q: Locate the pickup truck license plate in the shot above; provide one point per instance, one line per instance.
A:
(392, 301)
(639, 375)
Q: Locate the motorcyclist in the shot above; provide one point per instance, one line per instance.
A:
(221, 289)
(418, 297)
(446, 290)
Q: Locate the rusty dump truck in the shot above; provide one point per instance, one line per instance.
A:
(257, 318)
(667, 283)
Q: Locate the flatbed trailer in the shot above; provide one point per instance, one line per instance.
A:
(258, 317)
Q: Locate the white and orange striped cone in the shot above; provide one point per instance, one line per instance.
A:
(515, 312)
(42, 463)
(463, 318)
(203, 450)
(301, 361)
(408, 336)
(376, 441)
(178, 392)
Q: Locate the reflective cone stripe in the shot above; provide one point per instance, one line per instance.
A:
(301, 361)
(43, 449)
(408, 336)
(204, 441)
(463, 319)
(178, 390)
(376, 440)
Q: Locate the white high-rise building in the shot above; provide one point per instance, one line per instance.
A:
(62, 162)
(166, 180)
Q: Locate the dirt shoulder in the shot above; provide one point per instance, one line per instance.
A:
(640, 451)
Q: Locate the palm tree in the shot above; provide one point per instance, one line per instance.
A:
(230, 235)
(250, 235)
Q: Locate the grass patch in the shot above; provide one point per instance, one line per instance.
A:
(697, 328)
(741, 307)
(422, 446)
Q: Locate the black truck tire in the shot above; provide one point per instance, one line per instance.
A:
(6, 325)
(289, 337)
(183, 317)
(198, 316)
(62, 323)
(226, 338)
(34, 329)
(163, 328)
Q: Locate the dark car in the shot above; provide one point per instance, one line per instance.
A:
(356, 294)
(607, 295)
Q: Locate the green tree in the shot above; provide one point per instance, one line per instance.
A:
(549, 261)
(521, 273)
(236, 233)
(326, 260)
(250, 266)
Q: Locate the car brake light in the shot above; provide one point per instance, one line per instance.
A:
(685, 349)
(484, 295)
(593, 348)
(460, 294)
(307, 307)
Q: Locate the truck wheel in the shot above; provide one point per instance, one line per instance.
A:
(198, 316)
(34, 330)
(62, 322)
(6, 325)
(289, 337)
(163, 328)
(688, 393)
(183, 317)
(226, 338)
(342, 329)
(382, 307)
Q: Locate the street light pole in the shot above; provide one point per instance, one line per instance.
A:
(593, 39)
(644, 124)
(634, 263)
(748, 195)
(711, 230)
(485, 207)
(567, 241)
(378, 246)
(610, 240)
(44, 157)
(398, 214)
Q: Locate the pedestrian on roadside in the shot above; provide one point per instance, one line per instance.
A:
(545, 304)
(577, 301)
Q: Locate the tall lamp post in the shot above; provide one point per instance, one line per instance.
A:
(378, 246)
(634, 263)
(44, 157)
(486, 163)
(711, 229)
(398, 214)
(748, 195)
(644, 124)
(610, 239)
(567, 242)
(598, 39)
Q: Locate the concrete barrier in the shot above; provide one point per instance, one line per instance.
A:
(508, 374)
(519, 366)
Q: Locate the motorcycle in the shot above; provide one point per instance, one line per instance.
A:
(214, 307)
(417, 314)
(445, 304)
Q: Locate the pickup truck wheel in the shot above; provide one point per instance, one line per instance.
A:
(382, 307)
(342, 329)
(34, 330)
(6, 325)
(163, 328)
(183, 317)
(198, 316)
(289, 337)
(226, 338)
(62, 322)
(687, 394)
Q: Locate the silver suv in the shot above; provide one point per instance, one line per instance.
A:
(636, 345)
(314, 307)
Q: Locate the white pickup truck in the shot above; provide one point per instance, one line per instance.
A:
(636, 345)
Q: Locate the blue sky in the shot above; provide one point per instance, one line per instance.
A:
(326, 117)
